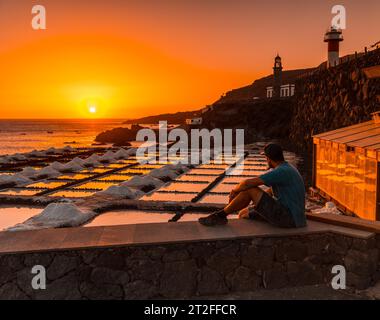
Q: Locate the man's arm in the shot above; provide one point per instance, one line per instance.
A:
(248, 184)
(245, 185)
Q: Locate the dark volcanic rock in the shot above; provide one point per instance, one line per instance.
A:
(119, 136)
(171, 118)
(179, 279)
(266, 118)
(243, 279)
(211, 282)
(335, 98)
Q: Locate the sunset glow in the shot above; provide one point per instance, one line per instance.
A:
(137, 58)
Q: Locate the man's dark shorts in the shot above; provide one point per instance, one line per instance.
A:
(272, 211)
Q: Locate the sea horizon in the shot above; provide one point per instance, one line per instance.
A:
(25, 135)
(58, 119)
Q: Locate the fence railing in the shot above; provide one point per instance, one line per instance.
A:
(342, 60)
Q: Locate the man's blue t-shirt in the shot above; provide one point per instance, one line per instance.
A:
(289, 189)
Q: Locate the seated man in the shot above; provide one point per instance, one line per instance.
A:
(285, 209)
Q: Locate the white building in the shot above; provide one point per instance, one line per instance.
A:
(269, 92)
(286, 90)
(194, 121)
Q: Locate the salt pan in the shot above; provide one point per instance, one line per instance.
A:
(20, 180)
(90, 162)
(36, 153)
(18, 156)
(78, 161)
(48, 171)
(132, 151)
(71, 167)
(140, 182)
(29, 172)
(5, 179)
(57, 166)
(56, 215)
(121, 154)
(164, 172)
(122, 191)
(109, 156)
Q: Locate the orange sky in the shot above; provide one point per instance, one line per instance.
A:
(133, 58)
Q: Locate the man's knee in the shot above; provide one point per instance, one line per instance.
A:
(255, 190)
(255, 193)
(245, 193)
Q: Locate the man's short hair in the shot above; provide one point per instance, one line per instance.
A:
(274, 152)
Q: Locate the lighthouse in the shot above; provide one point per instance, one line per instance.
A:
(333, 37)
(277, 77)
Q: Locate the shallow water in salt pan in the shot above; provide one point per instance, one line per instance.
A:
(47, 185)
(134, 171)
(116, 165)
(20, 192)
(174, 197)
(72, 194)
(78, 176)
(222, 187)
(214, 198)
(94, 185)
(195, 178)
(184, 187)
(233, 179)
(98, 170)
(213, 166)
(9, 216)
(123, 217)
(116, 177)
(206, 171)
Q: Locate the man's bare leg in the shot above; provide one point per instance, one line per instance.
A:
(243, 199)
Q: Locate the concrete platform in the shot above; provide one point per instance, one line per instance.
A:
(154, 234)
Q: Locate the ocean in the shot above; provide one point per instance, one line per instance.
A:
(28, 135)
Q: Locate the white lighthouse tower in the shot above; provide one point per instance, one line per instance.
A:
(333, 37)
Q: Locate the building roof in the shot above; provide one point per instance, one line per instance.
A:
(364, 135)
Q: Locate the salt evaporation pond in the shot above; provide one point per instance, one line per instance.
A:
(123, 217)
(10, 216)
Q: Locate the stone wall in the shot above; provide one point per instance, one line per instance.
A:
(334, 98)
(191, 269)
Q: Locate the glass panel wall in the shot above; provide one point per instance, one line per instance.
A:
(349, 178)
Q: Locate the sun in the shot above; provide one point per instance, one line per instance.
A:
(92, 109)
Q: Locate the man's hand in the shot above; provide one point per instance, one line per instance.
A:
(244, 214)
